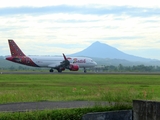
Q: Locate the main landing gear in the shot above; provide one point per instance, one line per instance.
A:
(59, 70)
(85, 70)
(51, 70)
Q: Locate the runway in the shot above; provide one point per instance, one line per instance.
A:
(107, 73)
(47, 105)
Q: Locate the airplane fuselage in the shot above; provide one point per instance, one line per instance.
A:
(51, 61)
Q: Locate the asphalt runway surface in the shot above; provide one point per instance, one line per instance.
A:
(107, 73)
(47, 105)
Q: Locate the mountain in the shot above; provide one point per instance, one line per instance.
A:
(103, 54)
(101, 50)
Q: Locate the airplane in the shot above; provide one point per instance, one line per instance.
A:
(52, 62)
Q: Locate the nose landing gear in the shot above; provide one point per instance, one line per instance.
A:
(85, 70)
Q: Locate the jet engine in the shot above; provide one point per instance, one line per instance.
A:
(73, 67)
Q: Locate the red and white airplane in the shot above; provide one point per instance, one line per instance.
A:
(58, 63)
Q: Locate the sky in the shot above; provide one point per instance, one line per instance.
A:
(47, 27)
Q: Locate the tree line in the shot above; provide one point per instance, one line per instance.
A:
(134, 68)
(103, 68)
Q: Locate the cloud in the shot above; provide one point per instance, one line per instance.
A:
(57, 28)
(42, 3)
(123, 38)
(93, 10)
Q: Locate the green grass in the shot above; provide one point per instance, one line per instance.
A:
(64, 87)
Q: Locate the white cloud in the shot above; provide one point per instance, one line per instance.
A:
(54, 33)
(40, 3)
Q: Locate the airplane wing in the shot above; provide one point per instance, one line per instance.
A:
(63, 64)
(66, 64)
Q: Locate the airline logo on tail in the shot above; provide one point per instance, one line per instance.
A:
(15, 50)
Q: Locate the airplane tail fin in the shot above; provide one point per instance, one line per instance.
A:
(14, 49)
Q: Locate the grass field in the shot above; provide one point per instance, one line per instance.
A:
(65, 87)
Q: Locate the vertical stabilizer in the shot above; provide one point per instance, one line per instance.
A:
(14, 49)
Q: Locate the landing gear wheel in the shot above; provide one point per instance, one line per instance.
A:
(51, 70)
(59, 70)
(85, 70)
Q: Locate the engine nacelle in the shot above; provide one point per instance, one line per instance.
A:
(73, 67)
